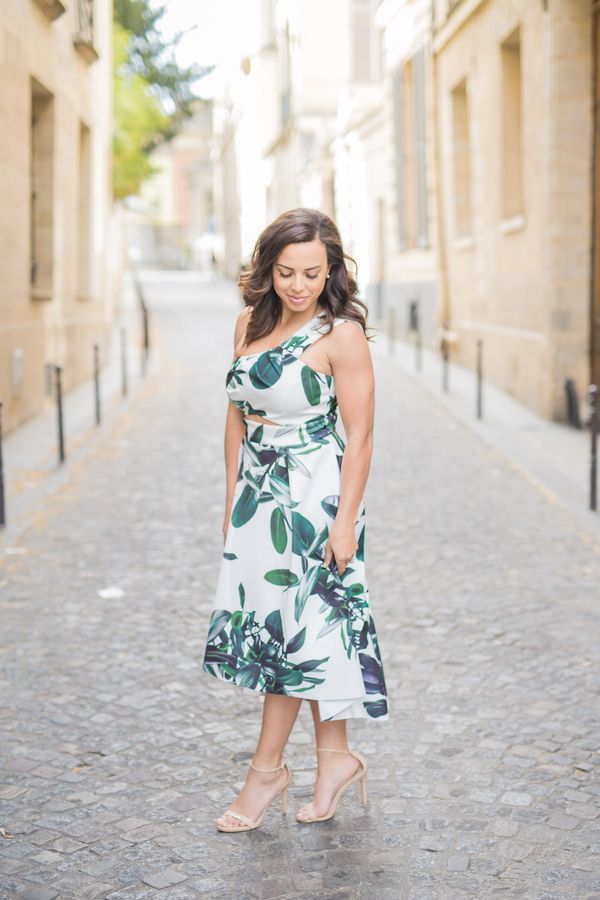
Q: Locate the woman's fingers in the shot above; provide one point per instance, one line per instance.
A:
(341, 561)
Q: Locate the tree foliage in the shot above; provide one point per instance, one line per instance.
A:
(153, 94)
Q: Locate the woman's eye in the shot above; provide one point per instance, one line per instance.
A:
(288, 275)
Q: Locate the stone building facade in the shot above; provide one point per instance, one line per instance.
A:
(454, 142)
(56, 286)
(513, 98)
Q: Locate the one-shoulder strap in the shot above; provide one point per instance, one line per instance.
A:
(298, 343)
(339, 321)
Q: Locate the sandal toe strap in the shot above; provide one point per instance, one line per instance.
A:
(236, 815)
(308, 811)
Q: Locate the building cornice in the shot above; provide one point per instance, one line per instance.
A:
(443, 34)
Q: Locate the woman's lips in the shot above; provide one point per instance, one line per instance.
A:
(297, 299)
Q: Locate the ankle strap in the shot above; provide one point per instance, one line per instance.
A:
(276, 769)
(331, 750)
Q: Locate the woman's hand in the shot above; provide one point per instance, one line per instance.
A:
(341, 545)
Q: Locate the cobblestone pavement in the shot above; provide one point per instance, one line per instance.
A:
(118, 751)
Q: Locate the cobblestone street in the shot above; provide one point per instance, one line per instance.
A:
(118, 752)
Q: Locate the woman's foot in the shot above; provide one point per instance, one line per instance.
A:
(334, 770)
(259, 790)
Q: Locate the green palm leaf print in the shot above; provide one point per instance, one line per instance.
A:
(248, 676)
(278, 532)
(245, 507)
(303, 533)
(267, 370)
(281, 577)
(360, 552)
(297, 642)
(376, 708)
(311, 385)
(218, 621)
(274, 626)
(305, 589)
(330, 504)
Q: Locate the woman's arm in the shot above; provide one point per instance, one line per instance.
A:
(350, 360)
(234, 432)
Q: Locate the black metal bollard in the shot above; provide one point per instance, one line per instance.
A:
(97, 383)
(392, 330)
(145, 323)
(2, 506)
(59, 409)
(479, 379)
(573, 416)
(123, 362)
(146, 339)
(593, 398)
(414, 324)
(445, 364)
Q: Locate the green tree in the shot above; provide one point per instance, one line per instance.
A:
(153, 94)
(138, 120)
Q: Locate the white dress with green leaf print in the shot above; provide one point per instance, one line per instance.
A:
(284, 623)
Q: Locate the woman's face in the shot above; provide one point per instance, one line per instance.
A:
(299, 274)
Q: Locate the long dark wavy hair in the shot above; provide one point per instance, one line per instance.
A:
(339, 295)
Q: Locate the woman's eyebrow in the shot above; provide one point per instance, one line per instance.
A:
(308, 268)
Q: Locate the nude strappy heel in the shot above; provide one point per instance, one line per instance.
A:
(247, 824)
(360, 775)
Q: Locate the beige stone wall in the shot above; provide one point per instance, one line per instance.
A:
(57, 320)
(520, 282)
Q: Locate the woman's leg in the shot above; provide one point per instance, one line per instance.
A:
(333, 768)
(279, 715)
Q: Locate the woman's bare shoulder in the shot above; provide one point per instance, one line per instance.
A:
(241, 324)
(347, 336)
(347, 340)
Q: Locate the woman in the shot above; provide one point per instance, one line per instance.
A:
(292, 616)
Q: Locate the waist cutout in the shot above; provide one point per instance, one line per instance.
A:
(268, 434)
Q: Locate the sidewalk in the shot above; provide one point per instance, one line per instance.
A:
(554, 457)
(32, 469)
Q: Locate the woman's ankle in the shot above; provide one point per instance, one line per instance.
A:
(334, 748)
(268, 764)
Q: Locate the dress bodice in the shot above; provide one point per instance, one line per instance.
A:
(278, 386)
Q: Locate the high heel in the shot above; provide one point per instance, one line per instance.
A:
(247, 824)
(359, 776)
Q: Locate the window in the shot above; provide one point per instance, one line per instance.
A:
(83, 213)
(83, 38)
(366, 47)
(461, 161)
(512, 128)
(41, 143)
(410, 152)
(399, 154)
(420, 149)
